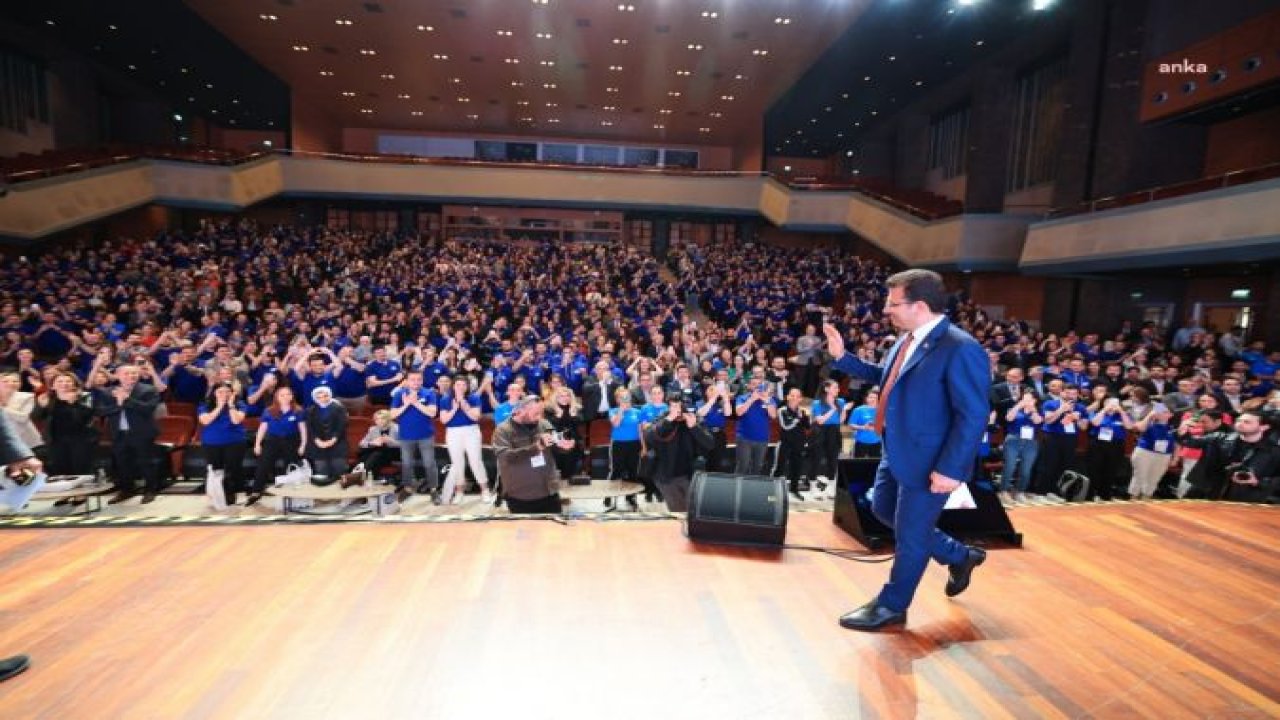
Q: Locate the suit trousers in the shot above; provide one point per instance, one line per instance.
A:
(1057, 455)
(135, 457)
(912, 511)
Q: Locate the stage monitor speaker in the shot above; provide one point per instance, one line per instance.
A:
(738, 509)
(988, 521)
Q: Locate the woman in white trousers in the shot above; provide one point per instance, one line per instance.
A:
(460, 413)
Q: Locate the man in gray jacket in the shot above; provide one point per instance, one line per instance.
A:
(526, 467)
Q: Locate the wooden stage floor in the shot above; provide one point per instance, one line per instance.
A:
(1162, 610)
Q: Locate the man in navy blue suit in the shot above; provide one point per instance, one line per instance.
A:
(933, 411)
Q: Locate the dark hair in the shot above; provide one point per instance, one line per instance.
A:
(921, 286)
(1262, 417)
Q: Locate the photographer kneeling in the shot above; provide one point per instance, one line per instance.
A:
(1241, 464)
(526, 467)
(677, 439)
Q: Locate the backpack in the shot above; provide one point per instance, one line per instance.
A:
(1073, 486)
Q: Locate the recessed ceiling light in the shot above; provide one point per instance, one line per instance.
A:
(112, 27)
(300, 48)
(133, 67)
(341, 21)
(892, 58)
(548, 86)
(727, 97)
(875, 112)
(522, 102)
(438, 56)
(919, 83)
(782, 21)
(473, 116)
(388, 76)
(866, 78)
(416, 113)
(615, 68)
(348, 93)
(620, 41)
(403, 96)
(683, 73)
(665, 111)
(542, 36)
(760, 52)
(455, 81)
(827, 108)
(516, 83)
(606, 123)
(368, 51)
(710, 14)
(704, 130)
(659, 126)
(326, 73)
(739, 77)
(185, 70)
(980, 42)
(366, 111)
(626, 8)
(541, 2)
(547, 63)
(551, 105)
(264, 16)
(505, 33)
(209, 85)
(693, 46)
(611, 89)
(511, 61)
(716, 114)
(464, 99)
(553, 120)
(674, 93)
(425, 28)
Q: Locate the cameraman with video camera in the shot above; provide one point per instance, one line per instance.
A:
(677, 439)
(1241, 464)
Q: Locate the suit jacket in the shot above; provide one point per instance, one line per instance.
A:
(591, 390)
(139, 410)
(936, 412)
(1001, 399)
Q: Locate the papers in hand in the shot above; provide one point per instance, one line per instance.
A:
(960, 499)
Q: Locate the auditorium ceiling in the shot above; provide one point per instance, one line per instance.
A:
(641, 70)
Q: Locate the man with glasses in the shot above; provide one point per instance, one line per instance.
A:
(932, 414)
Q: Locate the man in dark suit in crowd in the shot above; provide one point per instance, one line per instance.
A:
(130, 411)
(932, 414)
(17, 459)
(1007, 394)
(597, 394)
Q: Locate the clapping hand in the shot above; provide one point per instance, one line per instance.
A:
(835, 341)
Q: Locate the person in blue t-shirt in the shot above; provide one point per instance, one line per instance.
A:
(187, 383)
(828, 411)
(315, 370)
(460, 413)
(349, 381)
(222, 437)
(756, 410)
(866, 441)
(503, 411)
(1106, 448)
(381, 376)
(281, 440)
(715, 413)
(1021, 447)
(1064, 418)
(651, 412)
(414, 409)
(624, 443)
(1153, 453)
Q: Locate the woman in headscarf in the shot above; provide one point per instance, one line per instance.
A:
(326, 434)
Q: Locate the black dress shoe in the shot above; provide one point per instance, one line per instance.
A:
(632, 504)
(148, 498)
(11, 666)
(872, 617)
(795, 493)
(962, 571)
(253, 498)
(121, 496)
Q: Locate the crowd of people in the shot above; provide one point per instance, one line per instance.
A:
(295, 330)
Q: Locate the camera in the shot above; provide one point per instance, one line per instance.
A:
(1239, 472)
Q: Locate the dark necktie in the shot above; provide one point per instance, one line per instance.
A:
(889, 382)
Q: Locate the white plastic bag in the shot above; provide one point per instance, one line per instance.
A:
(213, 489)
(295, 475)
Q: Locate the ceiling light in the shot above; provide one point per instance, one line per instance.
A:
(473, 117)
(341, 21)
(186, 70)
(133, 67)
(547, 63)
(693, 46)
(980, 43)
(716, 114)
(704, 130)
(505, 33)
(553, 120)
(683, 73)
(348, 93)
(366, 111)
(455, 81)
(673, 93)
(611, 108)
(464, 99)
(268, 18)
(760, 52)
(966, 3)
(548, 86)
(368, 51)
(326, 73)
(542, 36)
(665, 111)
(1041, 4)
(782, 21)
(620, 41)
(827, 108)
(516, 83)
(209, 85)
(727, 97)
(511, 61)
(551, 104)
(541, 2)
(739, 77)
(388, 76)
(522, 102)
(615, 68)
(892, 58)
(112, 27)
(710, 14)
(403, 96)
(425, 28)
(866, 78)
(606, 123)
(848, 153)
(177, 117)
(416, 113)
(659, 126)
(611, 89)
(874, 113)
(438, 56)
(526, 119)
(626, 8)
(300, 48)
(919, 83)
